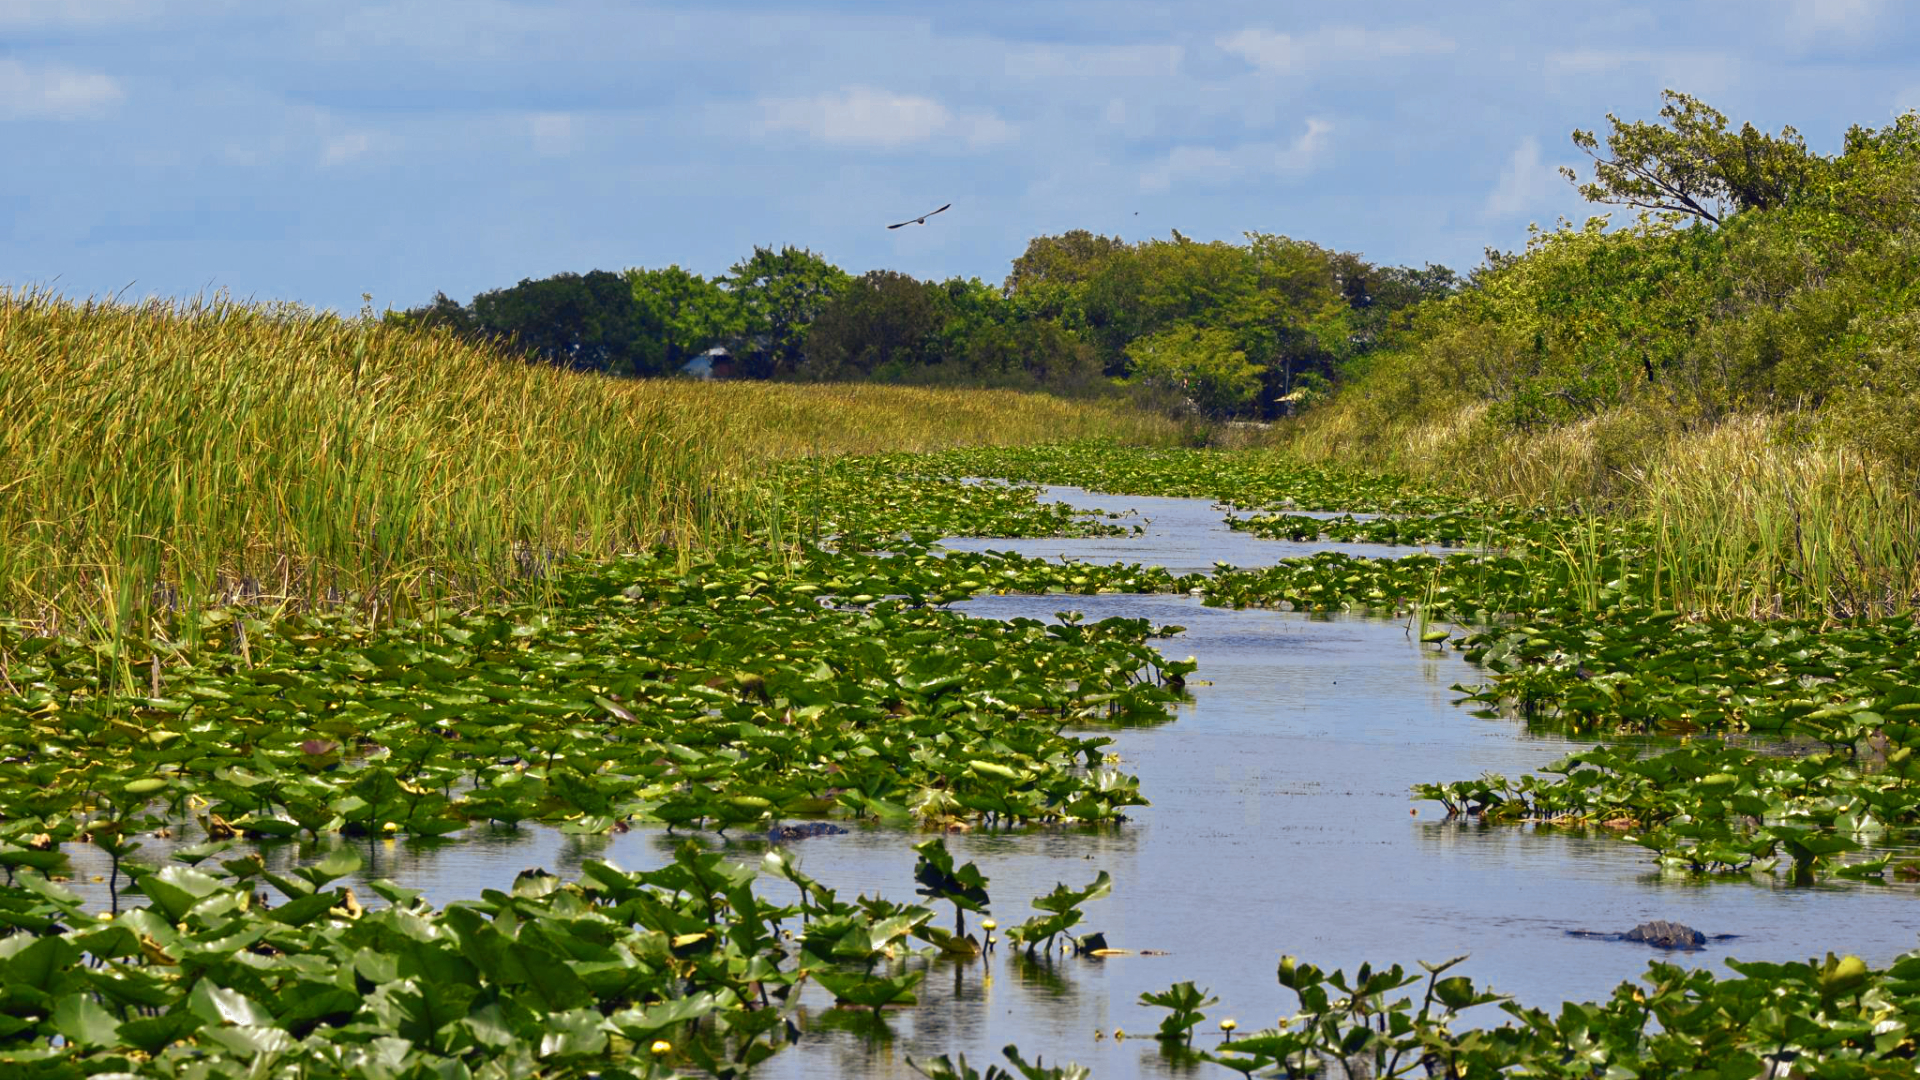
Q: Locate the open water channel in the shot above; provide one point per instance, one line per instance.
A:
(1281, 823)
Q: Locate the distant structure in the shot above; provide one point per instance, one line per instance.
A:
(715, 363)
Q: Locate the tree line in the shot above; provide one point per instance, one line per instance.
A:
(1755, 274)
(1227, 329)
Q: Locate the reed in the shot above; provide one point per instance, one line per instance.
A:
(168, 456)
(1754, 516)
(1748, 522)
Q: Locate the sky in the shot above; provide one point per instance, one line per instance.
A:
(319, 151)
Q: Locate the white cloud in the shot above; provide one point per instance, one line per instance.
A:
(986, 129)
(864, 116)
(1275, 52)
(1525, 183)
(299, 137)
(1212, 166)
(50, 92)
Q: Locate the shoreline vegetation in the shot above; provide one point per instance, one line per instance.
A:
(271, 574)
(174, 457)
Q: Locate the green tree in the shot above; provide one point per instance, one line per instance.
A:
(989, 340)
(1049, 279)
(1155, 284)
(1301, 305)
(1200, 364)
(691, 314)
(443, 312)
(1692, 165)
(779, 294)
(883, 324)
(582, 321)
(1022, 353)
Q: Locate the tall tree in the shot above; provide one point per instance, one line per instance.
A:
(1049, 279)
(882, 323)
(582, 321)
(1157, 283)
(1067, 259)
(1200, 365)
(779, 294)
(690, 313)
(1692, 165)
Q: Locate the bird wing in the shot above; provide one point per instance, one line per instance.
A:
(921, 220)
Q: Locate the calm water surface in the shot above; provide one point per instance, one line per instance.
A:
(1184, 535)
(1280, 823)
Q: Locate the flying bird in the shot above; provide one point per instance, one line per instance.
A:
(921, 220)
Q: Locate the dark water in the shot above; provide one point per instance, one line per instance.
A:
(1280, 823)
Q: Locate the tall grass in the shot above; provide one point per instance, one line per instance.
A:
(1754, 516)
(1748, 523)
(166, 456)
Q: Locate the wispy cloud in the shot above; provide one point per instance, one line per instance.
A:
(864, 116)
(1210, 166)
(1524, 184)
(299, 137)
(54, 92)
(1280, 53)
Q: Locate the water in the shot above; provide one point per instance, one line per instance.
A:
(1184, 535)
(1280, 823)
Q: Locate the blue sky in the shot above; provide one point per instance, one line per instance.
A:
(313, 151)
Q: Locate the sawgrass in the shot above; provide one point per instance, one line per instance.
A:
(165, 457)
(1748, 522)
(1753, 516)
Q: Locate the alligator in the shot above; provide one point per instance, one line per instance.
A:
(1660, 934)
(782, 833)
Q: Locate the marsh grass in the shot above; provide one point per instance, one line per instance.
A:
(161, 459)
(1749, 520)
(1755, 516)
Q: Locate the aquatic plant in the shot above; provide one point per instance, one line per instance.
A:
(1061, 912)
(1834, 1016)
(965, 887)
(723, 694)
(568, 977)
(1183, 1004)
(944, 1068)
